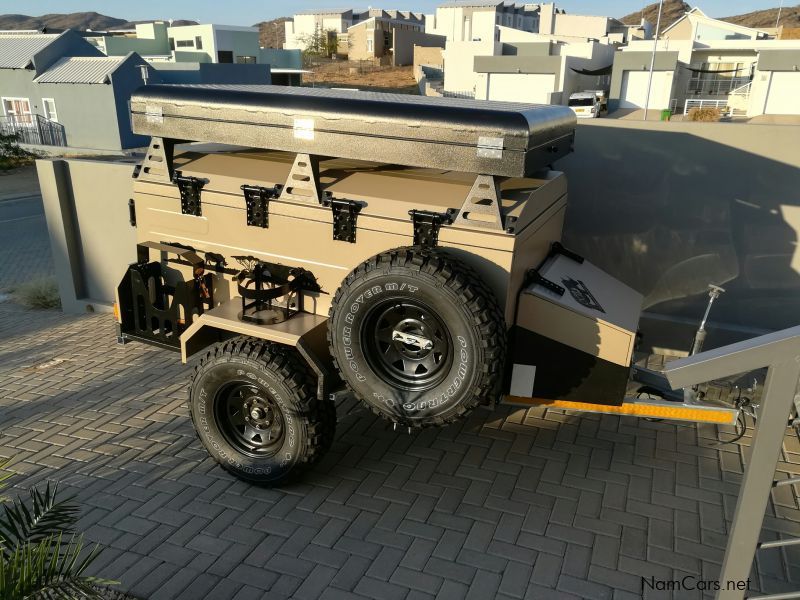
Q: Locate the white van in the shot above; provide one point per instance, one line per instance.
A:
(589, 104)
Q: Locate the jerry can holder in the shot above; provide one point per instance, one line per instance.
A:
(154, 311)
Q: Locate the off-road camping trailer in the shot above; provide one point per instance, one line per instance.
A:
(406, 247)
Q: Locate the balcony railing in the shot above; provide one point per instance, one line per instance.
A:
(714, 86)
(34, 130)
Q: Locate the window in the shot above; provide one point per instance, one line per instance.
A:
(172, 43)
(198, 42)
(185, 43)
(370, 45)
(49, 109)
(246, 60)
(225, 56)
(17, 109)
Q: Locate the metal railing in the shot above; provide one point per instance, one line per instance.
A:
(742, 90)
(34, 130)
(432, 73)
(780, 353)
(715, 86)
(690, 104)
(459, 94)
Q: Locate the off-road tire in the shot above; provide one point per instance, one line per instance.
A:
(440, 289)
(278, 375)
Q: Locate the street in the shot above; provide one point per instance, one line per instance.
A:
(24, 246)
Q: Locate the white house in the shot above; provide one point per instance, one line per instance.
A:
(702, 61)
(531, 68)
(214, 43)
(468, 21)
(305, 25)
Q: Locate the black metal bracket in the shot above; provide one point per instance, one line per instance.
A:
(533, 276)
(558, 248)
(260, 283)
(217, 260)
(427, 225)
(190, 193)
(257, 199)
(345, 213)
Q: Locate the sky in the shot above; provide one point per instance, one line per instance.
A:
(247, 12)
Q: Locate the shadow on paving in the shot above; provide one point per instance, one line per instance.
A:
(510, 504)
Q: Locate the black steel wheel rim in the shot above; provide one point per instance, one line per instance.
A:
(249, 419)
(407, 344)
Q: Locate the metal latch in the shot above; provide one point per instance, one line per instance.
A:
(190, 194)
(427, 225)
(132, 212)
(345, 213)
(257, 199)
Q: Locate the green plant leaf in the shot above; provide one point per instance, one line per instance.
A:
(47, 517)
(50, 568)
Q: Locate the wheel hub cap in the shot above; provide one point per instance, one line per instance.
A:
(250, 420)
(407, 344)
(409, 339)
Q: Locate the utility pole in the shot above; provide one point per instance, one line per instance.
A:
(778, 20)
(653, 58)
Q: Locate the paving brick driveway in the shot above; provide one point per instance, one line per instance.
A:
(511, 504)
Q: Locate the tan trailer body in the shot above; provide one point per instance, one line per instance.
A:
(300, 231)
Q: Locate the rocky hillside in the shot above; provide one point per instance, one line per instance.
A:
(673, 10)
(80, 21)
(272, 33)
(790, 17)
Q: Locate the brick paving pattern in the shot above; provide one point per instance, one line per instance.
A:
(512, 504)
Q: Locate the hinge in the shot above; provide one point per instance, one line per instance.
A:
(257, 199)
(190, 194)
(132, 212)
(427, 225)
(345, 213)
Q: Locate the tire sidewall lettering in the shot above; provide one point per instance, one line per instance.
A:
(205, 388)
(445, 396)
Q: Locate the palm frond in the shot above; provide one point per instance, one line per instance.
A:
(47, 516)
(50, 568)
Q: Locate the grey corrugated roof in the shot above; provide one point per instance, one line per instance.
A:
(17, 50)
(81, 69)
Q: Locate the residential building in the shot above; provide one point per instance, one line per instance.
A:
(304, 26)
(476, 20)
(388, 41)
(695, 25)
(60, 90)
(702, 61)
(214, 43)
(374, 27)
(146, 39)
(527, 68)
(567, 27)
(160, 43)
